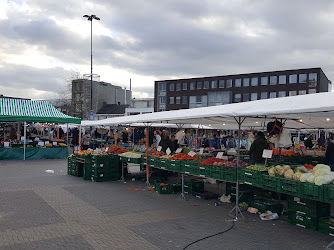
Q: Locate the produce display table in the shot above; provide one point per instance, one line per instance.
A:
(33, 153)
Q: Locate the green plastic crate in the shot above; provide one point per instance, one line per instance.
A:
(326, 226)
(272, 183)
(191, 187)
(173, 165)
(320, 209)
(216, 172)
(328, 193)
(264, 205)
(191, 168)
(205, 171)
(290, 187)
(311, 191)
(250, 177)
(303, 220)
(229, 174)
(164, 188)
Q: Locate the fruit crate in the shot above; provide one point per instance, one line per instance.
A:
(164, 188)
(264, 205)
(328, 193)
(303, 220)
(326, 225)
(216, 172)
(205, 171)
(229, 174)
(290, 187)
(272, 183)
(191, 187)
(161, 163)
(250, 176)
(173, 165)
(190, 167)
(151, 161)
(311, 191)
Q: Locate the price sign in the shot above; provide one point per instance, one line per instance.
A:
(54, 143)
(267, 153)
(159, 148)
(6, 144)
(201, 151)
(41, 143)
(107, 149)
(47, 142)
(178, 150)
(219, 155)
(191, 153)
(168, 151)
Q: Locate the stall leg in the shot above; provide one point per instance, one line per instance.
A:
(182, 196)
(25, 139)
(147, 184)
(122, 177)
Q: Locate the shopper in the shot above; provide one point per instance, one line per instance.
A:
(165, 141)
(174, 144)
(75, 139)
(330, 153)
(86, 140)
(157, 134)
(308, 142)
(258, 146)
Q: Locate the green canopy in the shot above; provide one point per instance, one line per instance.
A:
(32, 111)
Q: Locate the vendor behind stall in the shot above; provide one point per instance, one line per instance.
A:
(258, 146)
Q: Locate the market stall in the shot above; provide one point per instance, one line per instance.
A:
(24, 111)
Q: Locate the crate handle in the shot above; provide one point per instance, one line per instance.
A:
(187, 172)
(300, 225)
(201, 168)
(301, 203)
(331, 227)
(331, 234)
(248, 183)
(248, 174)
(300, 212)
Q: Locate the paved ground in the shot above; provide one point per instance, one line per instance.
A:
(57, 211)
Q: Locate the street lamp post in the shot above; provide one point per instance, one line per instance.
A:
(90, 18)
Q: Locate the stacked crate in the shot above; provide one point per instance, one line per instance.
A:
(73, 167)
(105, 168)
(193, 186)
(245, 192)
(306, 213)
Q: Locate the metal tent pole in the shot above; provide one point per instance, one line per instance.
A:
(182, 196)
(147, 184)
(24, 145)
(236, 208)
(66, 137)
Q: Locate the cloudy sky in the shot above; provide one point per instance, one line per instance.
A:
(43, 41)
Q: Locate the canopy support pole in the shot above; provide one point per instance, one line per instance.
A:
(43, 130)
(25, 139)
(58, 130)
(182, 196)
(147, 184)
(19, 131)
(67, 132)
(237, 208)
(79, 138)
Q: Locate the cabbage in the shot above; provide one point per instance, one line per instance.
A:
(297, 175)
(321, 166)
(324, 179)
(303, 177)
(321, 172)
(311, 179)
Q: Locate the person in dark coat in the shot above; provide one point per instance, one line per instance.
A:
(308, 142)
(258, 146)
(330, 153)
(125, 136)
(75, 138)
(174, 144)
(165, 141)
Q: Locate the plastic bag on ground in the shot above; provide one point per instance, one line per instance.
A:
(49, 171)
(269, 216)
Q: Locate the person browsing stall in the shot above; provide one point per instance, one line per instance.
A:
(257, 147)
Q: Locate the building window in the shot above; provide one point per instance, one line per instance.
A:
(254, 81)
(178, 100)
(264, 95)
(245, 97)
(171, 100)
(302, 78)
(253, 96)
(237, 82)
(237, 98)
(272, 95)
(162, 96)
(214, 84)
(221, 83)
(302, 92)
(184, 99)
(292, 93)
(192, 86)
(273, 80)
(281, 93)
(199, 85)
(171, 87)
(312, 79)
(229, 83)
(198, 101)
(206, 84)
(293, 79)
(264, 80)
(184, 86)
(282, 79)
(178, 86)
(246, 82)
(219, 98)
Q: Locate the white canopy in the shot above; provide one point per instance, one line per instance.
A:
(304, 111)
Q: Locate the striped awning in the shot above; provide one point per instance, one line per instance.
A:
(32, 111)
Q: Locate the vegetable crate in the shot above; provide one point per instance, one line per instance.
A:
(229, 174)
(290, 187)
(131, 160)
(164, 188)
(250, 176)
(173, 165)
(311, 191)
(191, 187)
(326, 225)
(309, 207)
(191, 168)
(161, 163)
(264, 205)
(328, 193)
(303, 220)
(216, 172)
(205, 171)
(272, 183)
(151, 161)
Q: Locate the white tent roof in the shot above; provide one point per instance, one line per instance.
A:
(305, 111)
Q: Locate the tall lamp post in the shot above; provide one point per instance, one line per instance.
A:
(90, 18)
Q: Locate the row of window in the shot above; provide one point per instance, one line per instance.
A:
(310, 78)
(220, 98)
